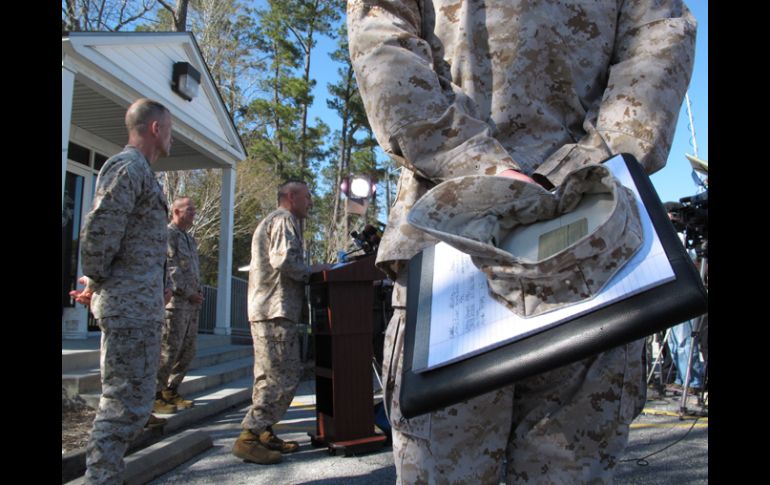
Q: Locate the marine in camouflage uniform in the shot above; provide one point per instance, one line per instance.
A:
(123, 254)
(277, 278)
(461, 88)
(180, 328)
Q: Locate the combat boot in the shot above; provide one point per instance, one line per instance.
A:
(172, 397)
(247, 447)
(162, 407)
(154, 422)
(272, 442)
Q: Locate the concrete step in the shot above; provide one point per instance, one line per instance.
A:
(208, 340)
(87, 380)
(208, 356)
(207, 404)
(163, 456)
(217, 375)
(196, 381)
(72, 360)
(82, 382)
(85, 354)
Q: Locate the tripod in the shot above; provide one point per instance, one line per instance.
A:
(657, 364)
(696, 335)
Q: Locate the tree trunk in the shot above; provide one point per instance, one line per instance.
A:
(180, 16)
(73, 24)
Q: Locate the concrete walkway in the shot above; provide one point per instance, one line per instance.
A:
(686, 462)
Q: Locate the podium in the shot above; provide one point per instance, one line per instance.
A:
(342, 302)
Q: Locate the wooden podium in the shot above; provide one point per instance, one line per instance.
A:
(342, 302)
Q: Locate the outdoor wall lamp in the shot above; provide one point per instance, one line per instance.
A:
(185, 80)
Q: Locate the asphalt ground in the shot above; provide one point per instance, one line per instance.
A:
(664, 448)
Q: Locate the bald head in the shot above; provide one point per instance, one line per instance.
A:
(295, 196)
(183, 212)
(289, 187)
(142, 113)
(149, 128)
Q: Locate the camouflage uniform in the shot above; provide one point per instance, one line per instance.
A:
(469, 88)
(123, 254)
(277, 278)
(180, 328)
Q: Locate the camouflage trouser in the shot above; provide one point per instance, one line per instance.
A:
(277, 371)
(179, 337)
(565, 426)
(129, 365)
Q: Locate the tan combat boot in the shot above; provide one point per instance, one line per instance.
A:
(272, 442)
(172, 397)
(154, 422)
(162, 407)
(247, 447)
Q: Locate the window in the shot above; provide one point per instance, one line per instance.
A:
(79, 154)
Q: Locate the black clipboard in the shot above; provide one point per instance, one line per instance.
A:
(619, 323)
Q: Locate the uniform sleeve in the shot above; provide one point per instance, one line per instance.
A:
(117, 189)
(175, 279)
(419, 118)
(286, 251)
(651, 68)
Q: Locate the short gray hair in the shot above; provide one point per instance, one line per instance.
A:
(289, 186)
(142, 112)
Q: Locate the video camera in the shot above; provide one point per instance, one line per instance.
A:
(368, 239)
(691, 216)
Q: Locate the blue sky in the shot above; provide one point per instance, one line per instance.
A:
(672, 182)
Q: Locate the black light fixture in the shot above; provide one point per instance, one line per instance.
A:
(185, 80)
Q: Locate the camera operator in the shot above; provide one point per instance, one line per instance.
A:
(690, 219)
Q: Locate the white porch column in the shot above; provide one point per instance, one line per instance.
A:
(74, 324)
(224, 283)
(67, 89)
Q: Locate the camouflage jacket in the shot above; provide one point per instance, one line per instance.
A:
(123, 240)
(455, 88)
(182, 267)
(277, 274)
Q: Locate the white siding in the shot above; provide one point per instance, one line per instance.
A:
(152, 64)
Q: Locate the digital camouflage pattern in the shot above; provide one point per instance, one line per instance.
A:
(277, 273)
(183, 268)
(179, 334)
(458, 88)
(179, 339)
(123, 240)
(469, 87)
(123, 251)
(130, 354)
(569, 425)
(475, 213)
(277, 371)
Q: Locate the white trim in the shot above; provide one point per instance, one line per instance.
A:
(90, 39)
(93, 142)
(75, 319)
(224, 278)
(84, 45)
(67, 92)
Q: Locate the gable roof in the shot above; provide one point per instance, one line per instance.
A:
(112, 69)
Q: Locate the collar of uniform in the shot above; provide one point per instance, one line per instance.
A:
(141, 155)
(475, 213)
(173, 226)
